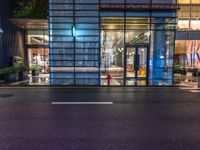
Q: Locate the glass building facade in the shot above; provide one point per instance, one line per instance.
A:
(131, 40)
(187, 47)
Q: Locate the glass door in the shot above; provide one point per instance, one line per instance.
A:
(137, 65)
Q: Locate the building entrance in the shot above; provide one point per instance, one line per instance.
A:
(137, 65)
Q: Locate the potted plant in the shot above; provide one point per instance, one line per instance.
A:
(10, 74)
(183, 71)
(177, 69)
(23, 73)
(17, 61)
(195, 72)
(35, 69)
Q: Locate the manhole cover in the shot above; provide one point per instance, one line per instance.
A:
(6, 95)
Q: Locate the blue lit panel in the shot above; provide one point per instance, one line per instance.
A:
(74, 42)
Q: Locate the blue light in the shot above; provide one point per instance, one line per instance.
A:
(73, 31)
(150, 63)
(1, 31)
(162, 57)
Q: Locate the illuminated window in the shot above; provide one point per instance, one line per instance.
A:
(183, 24)
(183, 1)
(195, 1)
(195, 24)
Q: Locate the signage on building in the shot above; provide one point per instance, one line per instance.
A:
(140, 6)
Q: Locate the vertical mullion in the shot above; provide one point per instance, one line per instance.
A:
(99, 44)
(74, 40)
(125, 49)
(150, 44)
(147, 65)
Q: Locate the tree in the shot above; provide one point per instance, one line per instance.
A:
(30, 8)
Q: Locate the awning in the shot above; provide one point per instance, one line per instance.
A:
(30, 23)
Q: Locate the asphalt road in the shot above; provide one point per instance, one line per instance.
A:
(138, 119)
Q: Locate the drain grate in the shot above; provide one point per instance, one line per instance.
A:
(5, 95)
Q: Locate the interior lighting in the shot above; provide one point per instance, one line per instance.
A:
(1, 31)
(147, 33)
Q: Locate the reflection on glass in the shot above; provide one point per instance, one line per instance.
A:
(158, 33)
(37, 37)
(142, 52)
(187, 62)
(162, 58)
(40, 57)
(137, 36)
(131, 52)
(112, 56)
(136, 66)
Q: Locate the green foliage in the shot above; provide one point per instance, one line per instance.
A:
(30, 8)
(17, 60)
(35, 68)
(8, 70)
(23, 69)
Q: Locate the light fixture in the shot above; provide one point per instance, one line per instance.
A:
(162, 57)
(1, 31)
(73, 30)
(147, 33)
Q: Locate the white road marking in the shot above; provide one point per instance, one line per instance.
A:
(188, 88)
(195, 91)
(81, 103)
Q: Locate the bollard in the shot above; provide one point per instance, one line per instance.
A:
(108, 78)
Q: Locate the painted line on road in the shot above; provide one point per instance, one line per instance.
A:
(81, 103)
(195, 91)
(189, 88)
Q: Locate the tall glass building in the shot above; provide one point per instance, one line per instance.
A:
(131, 40)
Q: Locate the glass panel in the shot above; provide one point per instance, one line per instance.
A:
(37, 37)
(112, 56)
(131, 52)
(142, 52)
(183, 24)
(187, 62)
(137, 36)
(136, 66)
(112, 23)
(195, 25)
(135, 82)
(75, 54)
(183, 1)
(161, 63)
(40, 57)
(195, 1)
